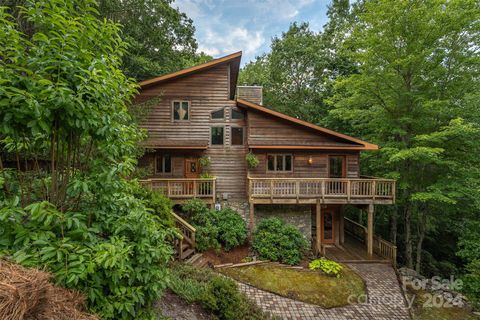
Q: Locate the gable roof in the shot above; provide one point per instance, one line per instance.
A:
(233, 59)
(362, 145)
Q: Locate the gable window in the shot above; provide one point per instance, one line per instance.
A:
(163, 163)
(219, 114)
(181, 110)
(237, 114)
(236, 136)
(279, 162)
(217, 135)
(336, 166)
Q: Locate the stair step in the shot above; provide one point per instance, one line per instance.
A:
(201, 263)
(185, 246)
(194, 258)
(187, 253)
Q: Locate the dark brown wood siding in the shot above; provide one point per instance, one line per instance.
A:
(301, 167)
(266, 130)
(207, 91)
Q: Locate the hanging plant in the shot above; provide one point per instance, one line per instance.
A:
(204, 161)
(252, 160)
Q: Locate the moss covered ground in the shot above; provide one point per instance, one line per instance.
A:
(302, 285)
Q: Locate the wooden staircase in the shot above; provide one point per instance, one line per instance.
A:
(185, 242)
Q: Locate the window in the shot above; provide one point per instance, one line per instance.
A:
(217, 135)
(279, 162)
(181, 110)
(219, 114)
(237, 114)
(237, 136)
(163, 163)
(336, 166)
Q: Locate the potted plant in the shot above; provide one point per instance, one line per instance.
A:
(252, 160)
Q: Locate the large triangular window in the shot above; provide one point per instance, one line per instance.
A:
(218, 114)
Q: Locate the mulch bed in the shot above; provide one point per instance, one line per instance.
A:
(235, 255)
(173, 307)
(27, 294)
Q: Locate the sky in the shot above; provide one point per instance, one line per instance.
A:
(227, 26)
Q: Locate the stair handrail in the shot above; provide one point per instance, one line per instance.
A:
(187, 230)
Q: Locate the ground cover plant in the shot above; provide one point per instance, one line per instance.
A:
(215, 229)
(67, 146)
(328, 267)
(303, 285)
(276, 240)
(215, 293)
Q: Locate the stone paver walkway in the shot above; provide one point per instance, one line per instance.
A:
(384, 299)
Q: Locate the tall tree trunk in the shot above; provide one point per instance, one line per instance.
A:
(393, 226)
(408, 237)
(421, 228)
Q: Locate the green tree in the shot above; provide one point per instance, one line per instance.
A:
(67, 145)
(418, 68)
(160, 37)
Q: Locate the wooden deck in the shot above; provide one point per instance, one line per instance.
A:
(351, 251)
(179, 190)
(325, 190)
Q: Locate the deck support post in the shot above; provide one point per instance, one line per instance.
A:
(342, 225)
(318, 229)
(252, 218)
(370, 231)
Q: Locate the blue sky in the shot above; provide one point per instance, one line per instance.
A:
(226, 26)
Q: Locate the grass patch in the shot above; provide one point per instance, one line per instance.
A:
(303, 285)
(422, 311)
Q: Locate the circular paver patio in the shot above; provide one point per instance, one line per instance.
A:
(384, 300)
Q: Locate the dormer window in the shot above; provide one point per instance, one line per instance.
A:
(218, 114)
(181, 110)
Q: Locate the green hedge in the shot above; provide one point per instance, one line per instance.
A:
(224, 228)
(277, 241)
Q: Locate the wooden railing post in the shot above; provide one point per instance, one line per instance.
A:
(297, 189)
(374, 187)
(195, 188)
(169, 193)
(271, 189)
(214, 190)
(349, 191)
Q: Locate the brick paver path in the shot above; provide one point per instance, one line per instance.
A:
(384, 299)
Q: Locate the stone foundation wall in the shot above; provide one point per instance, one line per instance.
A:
(298, 215)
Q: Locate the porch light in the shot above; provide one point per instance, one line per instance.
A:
(310, 160)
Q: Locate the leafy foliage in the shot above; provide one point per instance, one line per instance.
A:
(159, 204)
(329, 267)
(160, 38)
(69, 144)
(252, 160)
(215, 228)
(277, 241)
(215, 293)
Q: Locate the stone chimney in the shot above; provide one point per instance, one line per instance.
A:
(250, 93)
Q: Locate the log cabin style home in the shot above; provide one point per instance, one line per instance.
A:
(201, 127)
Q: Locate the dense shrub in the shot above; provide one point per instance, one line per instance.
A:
(159, 204)
(215, 228)
(329, 267)
(276, 241)
(217, 294)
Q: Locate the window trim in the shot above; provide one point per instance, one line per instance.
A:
(173, 110)
(162, 155)
(243, 136)
(238, 110)
(344, 165)
(275, 162)
(217, 145)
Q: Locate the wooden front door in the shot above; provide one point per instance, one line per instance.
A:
(328, 226)
(192, 168)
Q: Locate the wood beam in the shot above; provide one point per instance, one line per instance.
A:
(342, 224)
(319, 226)
(252, 217)
(370, 230)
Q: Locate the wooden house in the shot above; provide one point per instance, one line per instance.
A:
(201, 127)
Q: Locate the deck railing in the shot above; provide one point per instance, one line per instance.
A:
(322, 188)
(187, 236)
(381, 247)
(182, 188)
